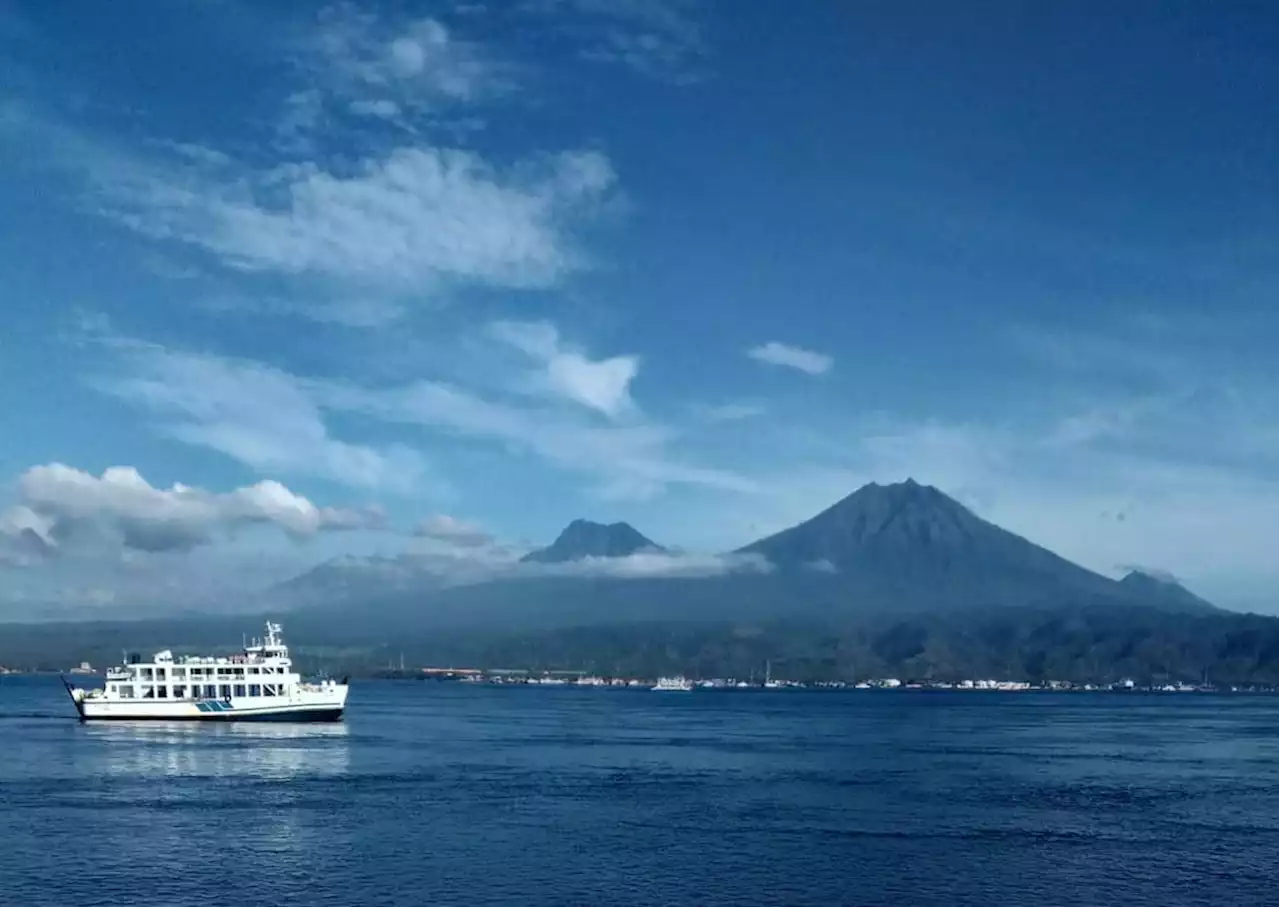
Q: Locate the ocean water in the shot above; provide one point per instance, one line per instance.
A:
(457, 795)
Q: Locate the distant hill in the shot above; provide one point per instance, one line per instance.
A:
(583, 538)
(1101, 643)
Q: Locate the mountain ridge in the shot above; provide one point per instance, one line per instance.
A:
(903, 547)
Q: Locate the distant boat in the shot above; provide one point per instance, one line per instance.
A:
(673, 685)
(257, 685)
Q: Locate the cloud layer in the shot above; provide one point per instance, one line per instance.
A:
(61, 504)
(417, 217)
(368, 197)
(259, 415)
(653, 565)
(275, 422)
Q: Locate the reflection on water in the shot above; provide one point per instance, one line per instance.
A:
(267, 751)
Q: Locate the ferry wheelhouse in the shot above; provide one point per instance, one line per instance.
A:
(257, 684)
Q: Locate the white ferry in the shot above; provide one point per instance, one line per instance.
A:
(258, 684)
(673, 685)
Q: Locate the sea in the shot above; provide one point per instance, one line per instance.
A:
(454, 794)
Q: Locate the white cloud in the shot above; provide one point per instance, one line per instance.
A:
(441, 565)
(412, 75)
(598, 384)
(775, 353)
(418, 217)
(274, 422)
(65, 501)
(453, 531)
(25, 536)
(657, 39)
(420, 64)
(394, 213)
(20, 518)
(652, 565)
(356, 311)
(822, 566)
(251, 412)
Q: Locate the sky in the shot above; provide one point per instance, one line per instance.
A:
(286, 282)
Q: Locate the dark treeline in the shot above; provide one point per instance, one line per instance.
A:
(1098, 644)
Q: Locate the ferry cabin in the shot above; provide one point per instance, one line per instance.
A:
(264, 673)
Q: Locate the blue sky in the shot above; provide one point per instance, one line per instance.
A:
(367, 279)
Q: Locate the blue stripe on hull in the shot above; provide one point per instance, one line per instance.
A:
(308, 715)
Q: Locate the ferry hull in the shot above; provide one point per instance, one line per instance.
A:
(289, 715)
(326, 705)
(192, 711)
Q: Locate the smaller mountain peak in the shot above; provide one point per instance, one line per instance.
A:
(907, 484)
(1138, 576)
(1162, 589)
(907, 490)
(585, 538)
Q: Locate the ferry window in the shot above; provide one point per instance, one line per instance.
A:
(179, 673)
(162, 692)
(146, 673)
(255, 689)
(238, 690)
(148, 692)
(253, 670)
(210, 691)
(126, 691)
(239, 672)
(159, 673)
(179, 691)
(224, 691)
